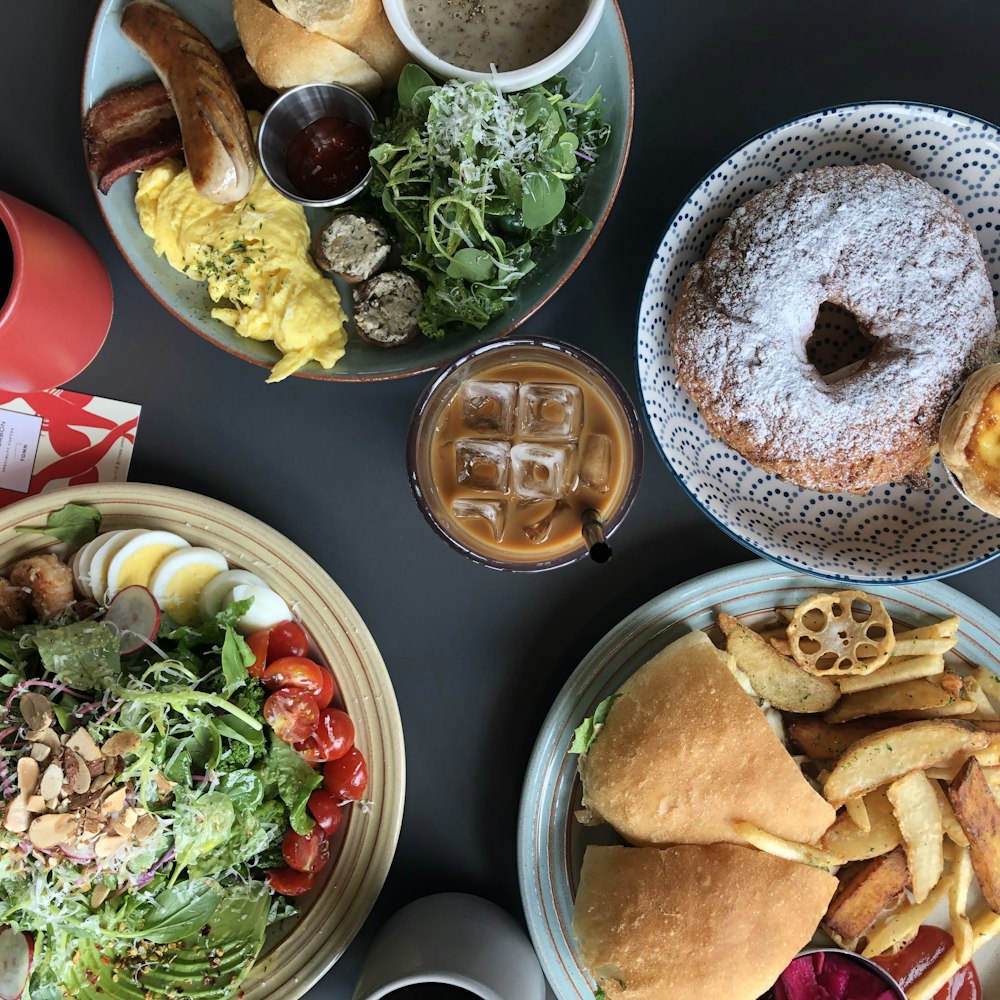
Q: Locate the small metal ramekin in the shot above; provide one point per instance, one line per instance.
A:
(293, 111)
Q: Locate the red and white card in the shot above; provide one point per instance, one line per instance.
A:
(60, 438)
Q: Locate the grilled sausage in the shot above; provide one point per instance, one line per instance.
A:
(215, 133)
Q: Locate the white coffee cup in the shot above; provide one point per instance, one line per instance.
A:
(455, 940)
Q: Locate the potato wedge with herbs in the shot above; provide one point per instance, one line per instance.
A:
(819, 740)
(919, 818)
(863, 897)
(847, 840)
(977, 810)
(780, 681)
(907, 696)
(883, 757)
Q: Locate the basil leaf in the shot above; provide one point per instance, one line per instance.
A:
(295, 781)
(181, 911)
(543, 199)
(74, 524)
(236, 657)
(587, 731)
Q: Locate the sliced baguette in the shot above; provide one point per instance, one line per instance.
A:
(284, 54)
(360, 25)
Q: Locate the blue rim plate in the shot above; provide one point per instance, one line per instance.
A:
(894, 534)
(550, 843)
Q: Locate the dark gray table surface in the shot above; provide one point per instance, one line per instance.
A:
(477, 657)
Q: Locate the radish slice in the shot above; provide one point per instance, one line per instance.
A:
(137, 616)
(16, 952)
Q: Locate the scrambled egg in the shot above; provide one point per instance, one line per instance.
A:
(254, 255)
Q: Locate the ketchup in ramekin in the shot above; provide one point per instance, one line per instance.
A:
(918, 956)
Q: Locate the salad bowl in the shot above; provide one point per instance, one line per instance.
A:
(605, 64)
(893, 534)
(298, 950)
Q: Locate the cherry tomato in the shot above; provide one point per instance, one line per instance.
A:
(292, 714)
(258, 643)
(289, 882)
(287, 639)
(329, 690)
(307, 853)
(346, 778)
(295, 672)
(333, 737)
(326, 811)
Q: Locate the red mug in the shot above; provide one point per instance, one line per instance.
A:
(58, 310)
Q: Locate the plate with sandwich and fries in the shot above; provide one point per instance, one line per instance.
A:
(755, 762)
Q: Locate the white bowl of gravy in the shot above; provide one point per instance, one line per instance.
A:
(511, 43)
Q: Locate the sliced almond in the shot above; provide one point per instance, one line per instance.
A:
(164, 786)
(120, 744)
(101, 893)
(124, 825)
(101, 781)
(40, 752)
(77, 774)
(51, 830)
(36, 804)
(36, 710)
(115, 801)
(145, 826)
(105, 846)
(83, 743)
(17, 818)
(51, 784)
(47, 737)
(27, 776)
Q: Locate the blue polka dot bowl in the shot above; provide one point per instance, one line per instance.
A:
(894, 534)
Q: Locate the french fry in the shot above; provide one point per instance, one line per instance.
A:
(984, 929)
(988, 756)
(921, 647)
(949, 821)
(939, 630)
(861, 899)
(820, 740)
(891, 700)
(902, 924)
(777, 679)
(846, 840)
(954, 708)
(912, 669)
(855, 808)
(990, 684)
(915, 807)
(770, 844)
(958, 899)
(977, 810)
(984, 707)
(992, 776)
(883, 757)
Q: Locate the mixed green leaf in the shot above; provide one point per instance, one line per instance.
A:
(587, 731)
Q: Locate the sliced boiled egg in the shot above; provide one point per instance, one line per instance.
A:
(267, 609)
(181, 579)
(137, 560)
(81, 563)
(94, 567)
(214, 595)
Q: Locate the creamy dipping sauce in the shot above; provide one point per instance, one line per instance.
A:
(510, 34)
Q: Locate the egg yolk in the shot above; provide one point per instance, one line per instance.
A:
(140, 567)
(183, 590)
(983, 449)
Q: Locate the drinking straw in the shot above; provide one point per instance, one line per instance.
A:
(594, 536)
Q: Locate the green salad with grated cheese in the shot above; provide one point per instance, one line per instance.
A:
(478, 183)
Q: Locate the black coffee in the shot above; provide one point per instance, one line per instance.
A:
(6, 265)
(431, 991)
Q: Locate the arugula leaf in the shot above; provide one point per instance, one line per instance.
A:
(295, 781)
(74, 523)
(587, 731)
(236, 657)
(181, 911)
(83, 655)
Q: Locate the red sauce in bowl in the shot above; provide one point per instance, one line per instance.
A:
(328, 158)
(917, 957)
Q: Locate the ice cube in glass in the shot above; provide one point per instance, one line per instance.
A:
(543, 471)
(538, 518)
(549, 411)
(482, 465)
(492, 512)
(489, 407)
(595, 462)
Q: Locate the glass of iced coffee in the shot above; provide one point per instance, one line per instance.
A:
(516, 444)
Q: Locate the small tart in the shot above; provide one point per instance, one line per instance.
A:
(970, 439)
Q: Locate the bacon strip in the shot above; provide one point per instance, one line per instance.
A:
(136, 127)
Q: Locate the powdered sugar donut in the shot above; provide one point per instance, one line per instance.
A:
(888, 248)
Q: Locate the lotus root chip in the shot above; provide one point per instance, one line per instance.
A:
(839, 634)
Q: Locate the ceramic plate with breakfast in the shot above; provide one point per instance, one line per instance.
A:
(202, 767)
(755, 764)
(816, 304)
(399, 218)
